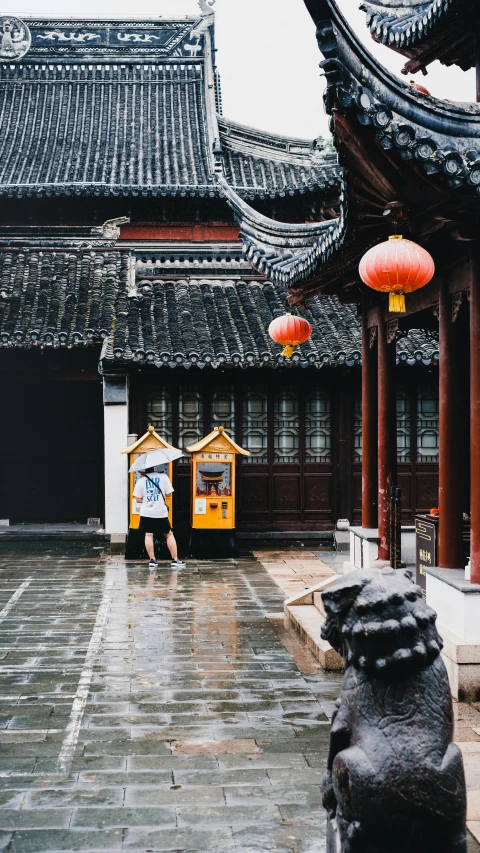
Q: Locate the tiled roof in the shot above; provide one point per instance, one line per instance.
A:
(103, 130)
(60, 299)
(222, 324)
(67, 299)
(262, 164)
(111, 108)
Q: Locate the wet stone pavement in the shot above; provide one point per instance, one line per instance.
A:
(155, 712)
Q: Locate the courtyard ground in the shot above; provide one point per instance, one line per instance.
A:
(165, 712)
(156, 712)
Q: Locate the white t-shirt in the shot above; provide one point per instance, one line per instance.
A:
(153, 505)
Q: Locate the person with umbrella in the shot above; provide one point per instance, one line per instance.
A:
(150, 492)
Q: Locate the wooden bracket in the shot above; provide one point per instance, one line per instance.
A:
(372, 336)
(457, 300)
(392, 328)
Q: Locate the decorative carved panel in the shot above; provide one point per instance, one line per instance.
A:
(427, 491)
(254, 491)
(318, 492)
(286, 493)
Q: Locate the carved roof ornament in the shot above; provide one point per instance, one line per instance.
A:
(15, 38)
(206, 6)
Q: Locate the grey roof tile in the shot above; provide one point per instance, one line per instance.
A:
(79, 298)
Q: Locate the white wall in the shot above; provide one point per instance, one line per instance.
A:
(116, 468)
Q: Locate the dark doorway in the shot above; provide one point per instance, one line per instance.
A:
(51, 450)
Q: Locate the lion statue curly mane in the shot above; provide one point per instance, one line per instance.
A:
(395, 781)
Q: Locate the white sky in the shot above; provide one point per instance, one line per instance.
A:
(267, 56)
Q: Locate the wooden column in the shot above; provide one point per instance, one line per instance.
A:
(369, 429)
(450, 523)
(387, 434)
(475, 423)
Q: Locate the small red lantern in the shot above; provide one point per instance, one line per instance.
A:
(290, 331)
(419, 88)
(396, 267)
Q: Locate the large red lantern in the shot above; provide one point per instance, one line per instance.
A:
(396, 267)
(290, 331)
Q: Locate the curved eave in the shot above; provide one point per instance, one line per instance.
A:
(423, 32)
(337, 41)
(287, 254)
(441, 136)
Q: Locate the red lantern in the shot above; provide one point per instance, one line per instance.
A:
(396, 267)
(419, 88)
(290, 331)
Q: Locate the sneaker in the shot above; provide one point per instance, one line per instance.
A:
(177, 564)
(152, 565)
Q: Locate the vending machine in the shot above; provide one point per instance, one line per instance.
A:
(213, 495)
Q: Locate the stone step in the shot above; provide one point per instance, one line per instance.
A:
(305, 612)
(308, 622)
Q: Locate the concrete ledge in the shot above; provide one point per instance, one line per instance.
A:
(117, 543)
(462, 661)
(307, 535)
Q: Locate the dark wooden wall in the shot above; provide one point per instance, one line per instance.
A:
(51, 449)
(282, 496)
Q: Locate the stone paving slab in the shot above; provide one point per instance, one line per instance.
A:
(165, 712)
(156, 712)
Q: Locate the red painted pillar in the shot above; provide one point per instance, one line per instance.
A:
(450, 522)
(369, 429)
(387, 434)
(475, 424)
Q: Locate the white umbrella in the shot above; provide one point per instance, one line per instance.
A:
(155, 457)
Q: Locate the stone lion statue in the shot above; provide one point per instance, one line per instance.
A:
(395, 780)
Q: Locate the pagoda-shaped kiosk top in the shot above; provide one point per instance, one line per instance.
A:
(217, 441)
(133, 108)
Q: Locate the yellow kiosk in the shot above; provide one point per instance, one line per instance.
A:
(150, 441)
(213, 495)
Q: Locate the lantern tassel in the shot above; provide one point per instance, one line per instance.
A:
(396, 303)
(288, 351)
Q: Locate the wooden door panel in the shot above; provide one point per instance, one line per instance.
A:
(286, 494)
(357, 492)
(405, 484)
(254, 492)
(427, 491)
(318, 493)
